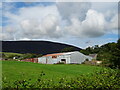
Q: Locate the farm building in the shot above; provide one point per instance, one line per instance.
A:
(67, 58)
(94, 56)
(35, 60)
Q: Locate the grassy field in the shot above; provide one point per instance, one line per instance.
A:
(14, 70)
(17, 74)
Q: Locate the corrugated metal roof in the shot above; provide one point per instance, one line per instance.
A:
(53, 54)
(56, 54)
(70, 52)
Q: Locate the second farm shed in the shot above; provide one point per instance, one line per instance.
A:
(68, 58)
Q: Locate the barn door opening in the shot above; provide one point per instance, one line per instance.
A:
(46, 60)
(63, 60)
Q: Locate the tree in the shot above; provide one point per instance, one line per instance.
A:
(96, 49)
(108, 53)
(116, 55)
(2, 55)
(105, 57)
(67, 49)
(84, 51)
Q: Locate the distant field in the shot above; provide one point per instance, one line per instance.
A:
(8, 53)
(15, 70)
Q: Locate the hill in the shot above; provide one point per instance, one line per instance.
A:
(37, 47)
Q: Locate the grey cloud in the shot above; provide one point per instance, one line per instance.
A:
(70, 10)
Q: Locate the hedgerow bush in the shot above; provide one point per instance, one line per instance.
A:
(105, 79)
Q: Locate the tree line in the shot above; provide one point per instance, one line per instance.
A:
(108, 53)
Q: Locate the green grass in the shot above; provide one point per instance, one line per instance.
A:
(14, 70)
(58, 76)
(8, 53)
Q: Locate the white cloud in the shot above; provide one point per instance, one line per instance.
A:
(92, 26)
(8, 32)
(47, 27)
(0, 32)
(6, 36)
(56, 21)
(25, 39)
(35, 22)
(9, 29)
(0, 13)
(35, 12)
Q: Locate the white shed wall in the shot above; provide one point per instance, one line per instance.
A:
(51, 60)
(66, 57)
(78, 57)
(42, 60)
(71, 57)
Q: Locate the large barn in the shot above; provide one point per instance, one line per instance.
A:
(67, 58)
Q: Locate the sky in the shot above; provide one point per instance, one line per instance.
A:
(81, 24)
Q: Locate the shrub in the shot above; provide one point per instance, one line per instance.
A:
(103, 80)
